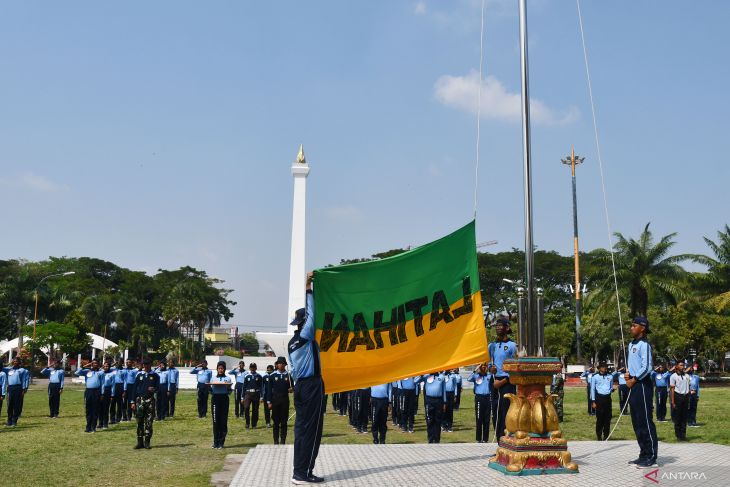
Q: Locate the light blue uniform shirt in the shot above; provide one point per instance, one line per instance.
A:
(130, 375)
(481, 383)
(303, 349)
(240, 375)
(173, 375)
(109, 381)
(601, 384)
(660, 380)
(94, 378)
(163, 375)
(17, 377)
(587, 375)
(449, 382)
(204, 375)
(382, 391)
(501, 351)
(119, 375)
(55, 376)
(221, 389)
(694, 384)
(621, 378)
(407, 384)
(3, 383)
(640, 360)
(434, 386)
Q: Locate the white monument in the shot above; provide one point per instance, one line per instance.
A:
(297, 269)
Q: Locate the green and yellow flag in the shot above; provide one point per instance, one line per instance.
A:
(402, 316)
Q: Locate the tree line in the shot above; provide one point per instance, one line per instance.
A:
(168, 311)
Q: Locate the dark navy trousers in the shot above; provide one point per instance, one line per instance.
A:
(661, 403)
(309, 403)
(640, 402)
(54, 399)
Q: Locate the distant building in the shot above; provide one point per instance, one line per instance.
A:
(221, 337)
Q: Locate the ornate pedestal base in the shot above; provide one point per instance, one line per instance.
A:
(533, 443)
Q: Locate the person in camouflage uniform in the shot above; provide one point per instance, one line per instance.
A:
(557, 388)
(145, 388)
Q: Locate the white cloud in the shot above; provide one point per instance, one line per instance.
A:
(497, 103)
(420, 8)
(33, 182)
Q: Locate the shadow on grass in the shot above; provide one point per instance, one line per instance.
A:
(244, 445)
(178, 445)
(332, 435)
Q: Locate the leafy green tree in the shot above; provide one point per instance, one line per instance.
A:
(57, 337)
(715, 285)
(248, 343)
(141, 336)
(645, 271)
(17, 290)
(559, 338)
(99, 311)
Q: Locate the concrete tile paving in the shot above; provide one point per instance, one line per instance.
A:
(465, 464)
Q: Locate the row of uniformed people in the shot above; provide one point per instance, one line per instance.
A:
(14, 382)
(602, 385)
(109, 392)
(372, 404)
(249, 391)
(147, 390)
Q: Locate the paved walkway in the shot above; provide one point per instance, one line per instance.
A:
(464, 464)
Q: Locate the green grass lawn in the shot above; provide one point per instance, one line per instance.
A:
(57, 452)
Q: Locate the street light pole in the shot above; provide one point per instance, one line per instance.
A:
(572, 160)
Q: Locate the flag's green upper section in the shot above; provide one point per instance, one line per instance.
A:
(427, 277)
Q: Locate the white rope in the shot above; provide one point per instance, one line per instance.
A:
(603, 181)
(605, 204)
(479, 112)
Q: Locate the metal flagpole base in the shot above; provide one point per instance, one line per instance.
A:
(533, 443)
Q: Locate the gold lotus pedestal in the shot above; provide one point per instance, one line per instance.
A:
(532, 443)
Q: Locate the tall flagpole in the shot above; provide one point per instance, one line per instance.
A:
(532, 341)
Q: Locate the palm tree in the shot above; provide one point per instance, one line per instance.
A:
(142, 334)
(98, 310)
(715, 285)
(644, 271)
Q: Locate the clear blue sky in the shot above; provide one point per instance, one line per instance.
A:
(160, 134)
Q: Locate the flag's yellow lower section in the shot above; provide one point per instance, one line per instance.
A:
(462, 341)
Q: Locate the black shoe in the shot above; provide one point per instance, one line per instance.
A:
(637, 461)
(651, 462)
(147, 444)
(297, 480)
(313, 479)
(139, 445)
